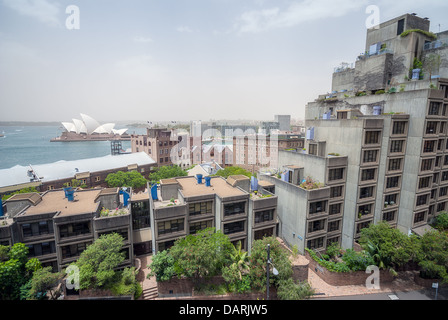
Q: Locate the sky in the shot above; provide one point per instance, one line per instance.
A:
(180, 60)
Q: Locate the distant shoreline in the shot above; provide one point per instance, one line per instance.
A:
(29, 123)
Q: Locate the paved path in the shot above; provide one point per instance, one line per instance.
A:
(149, 285)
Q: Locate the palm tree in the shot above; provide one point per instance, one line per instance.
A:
(240, 260)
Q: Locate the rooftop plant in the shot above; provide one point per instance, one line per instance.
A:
(426, 33)
(310, 184)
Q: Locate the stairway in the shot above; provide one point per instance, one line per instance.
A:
(150, 293)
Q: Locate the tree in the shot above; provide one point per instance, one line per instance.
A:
(235, 273)
(388, 246)
(233, 170)
(98, 261)
(15, 270)
(44, 280)
(431, 63)
(432, 255)
(167, 172)
(202, 254)
(162, 266)
(258, 259)
(132, 179)
(24, 190)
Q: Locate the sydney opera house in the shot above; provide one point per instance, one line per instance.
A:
(88, 129)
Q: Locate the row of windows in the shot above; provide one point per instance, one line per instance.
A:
(319, 225)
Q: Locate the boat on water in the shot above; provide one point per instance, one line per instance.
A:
(88, 129)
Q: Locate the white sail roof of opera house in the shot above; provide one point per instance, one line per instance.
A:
(88, 125)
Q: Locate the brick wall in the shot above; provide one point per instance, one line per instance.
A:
(345, 278)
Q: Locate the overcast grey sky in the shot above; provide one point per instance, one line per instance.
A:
(179, 60)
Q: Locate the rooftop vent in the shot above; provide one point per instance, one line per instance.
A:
(207, 181)
(199, 178)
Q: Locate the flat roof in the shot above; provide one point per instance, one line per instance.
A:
(55, 201)
(218, 185)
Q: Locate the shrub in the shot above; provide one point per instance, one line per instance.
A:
(289, 290)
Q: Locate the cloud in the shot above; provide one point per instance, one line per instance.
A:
(141, 39)
(184, 29)
(42, 10)
(298, 12)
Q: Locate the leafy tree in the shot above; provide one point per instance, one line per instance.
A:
(431, 63)
(15, 270)
(75, 183)
(235, 273)
(258, 259)
(132, 179)
(357, 261)
(441, 221)
(233, 170)
(290, 290)
(97, 262)
(432, 255)
(24, 190)
(201, 255)
(162, 266)
(44, 280)
(167, 172)
(388, 246)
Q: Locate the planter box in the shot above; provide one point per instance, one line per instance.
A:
(427, 283)
(354, 278)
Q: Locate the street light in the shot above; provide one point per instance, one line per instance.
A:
(274, 271)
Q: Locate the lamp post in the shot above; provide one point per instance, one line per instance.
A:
(274, 271)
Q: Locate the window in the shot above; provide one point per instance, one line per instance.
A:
(370, 156)
(393, 182)
(197, 226)
(333, 226)
(234, 227)
(263, 216)
(27, 230)
(335, 174)
(443, 191)
(200, 208)
(445, 160)
(419, 217)
(74, 229)
(389, 216)
(170, 226)
(312, 149)
(368, 174)
(422, 200)
(434, 108)
(441, 206)
(317, 225)
(140, 215)
(234, 208)
(372, 137)
(334, 208)
(336, 192)
(444, 176)
(73, 250)
(399, 127)
(317, 207)
(396, 146)
(400, 26)
(390, 199)
(364, 210)
(315, 243)
(431, 127)
(366, 192)
(424, 182)
(426, 165)
(395, 164)
(362, 225)
(429, 146)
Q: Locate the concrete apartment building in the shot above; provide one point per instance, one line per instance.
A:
(58, 225)
(389, 122)
(184, 205)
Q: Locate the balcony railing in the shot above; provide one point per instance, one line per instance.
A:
(436, 44)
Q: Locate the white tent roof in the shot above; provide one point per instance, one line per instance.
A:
(67, 169)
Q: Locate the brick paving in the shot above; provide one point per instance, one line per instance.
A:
(404, 282)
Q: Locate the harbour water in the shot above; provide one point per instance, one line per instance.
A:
(26, 145)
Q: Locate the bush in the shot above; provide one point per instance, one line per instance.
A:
(441, 221)
(289, 290)
(357, 261)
